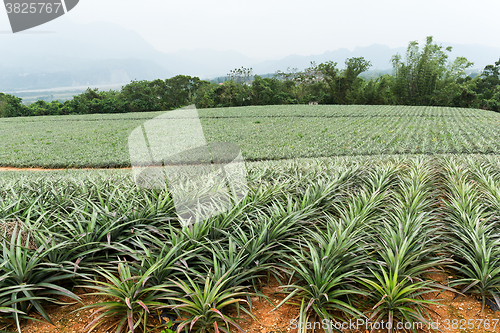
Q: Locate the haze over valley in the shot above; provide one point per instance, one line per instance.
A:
(106, 55)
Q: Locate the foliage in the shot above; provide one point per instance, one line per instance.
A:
(240, 75)
(400, 298)
(489, 81)
(343, 85)
(420, 74)
(11, 106)
(346, 236)
(474, 236)
(407, 248)
(203, 304)
(28, 278)
(137, 96)
(326, 266)
(133, 299)
(270, 91)
(231, 93)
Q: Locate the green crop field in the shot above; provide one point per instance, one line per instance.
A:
(268, 132)
(353, 210)
(355, 236)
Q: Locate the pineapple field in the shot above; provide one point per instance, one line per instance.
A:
(356, 219)
(262, 132)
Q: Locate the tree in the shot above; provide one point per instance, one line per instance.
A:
(270, 91)
(141, 96)
(343, 85)
(94, 101)
(330, 74)
(231, 93)
(488, 81)
(11, 106)
(376, 91)
(289, 75)
(350, 83)
(181, 90)
(455, 89)
(240, 75)
(206, 96)
(421, 74)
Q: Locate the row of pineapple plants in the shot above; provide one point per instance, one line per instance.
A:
(345, 238)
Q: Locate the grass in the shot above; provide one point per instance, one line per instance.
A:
(262, 133)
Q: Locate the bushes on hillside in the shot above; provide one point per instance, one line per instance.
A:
(137, 96)
(11, 106)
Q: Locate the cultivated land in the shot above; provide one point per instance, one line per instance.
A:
(338, 224)
(268, 132)
(382, 234)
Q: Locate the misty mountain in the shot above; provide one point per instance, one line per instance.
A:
(96, 54)
(104, 53)
(380, 57)
(206, 63)
(76, 55)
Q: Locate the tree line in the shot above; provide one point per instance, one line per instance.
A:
(423, 76)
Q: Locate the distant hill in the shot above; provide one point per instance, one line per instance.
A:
(96, 54)
(380, 57)
(75, 56)
(100, 54)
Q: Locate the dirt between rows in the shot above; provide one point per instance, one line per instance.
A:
(452, 315)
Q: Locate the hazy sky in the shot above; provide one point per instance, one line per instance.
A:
(275, 28)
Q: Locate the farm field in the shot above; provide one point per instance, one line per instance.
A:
(262, 133)
(346, 237)
(392, 215)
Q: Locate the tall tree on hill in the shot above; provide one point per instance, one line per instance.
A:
(487, 87)
(240, 75)
(11, 106)
(456, 88)
(343, 85)
(181, 90)
(421, 74)
(142, 96)
(350, 82)
(489, 80)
